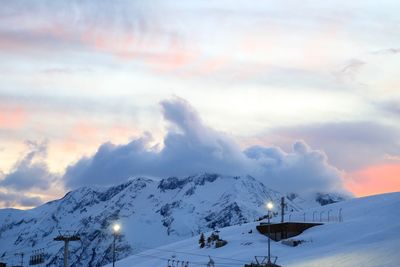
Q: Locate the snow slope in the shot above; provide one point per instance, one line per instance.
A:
(369, 235)
(152, 213)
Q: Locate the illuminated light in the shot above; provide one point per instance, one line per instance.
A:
(116, 228)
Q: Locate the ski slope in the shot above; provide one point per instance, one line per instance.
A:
(369, 235)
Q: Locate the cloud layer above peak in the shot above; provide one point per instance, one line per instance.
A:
(192, 147)
(29, 178)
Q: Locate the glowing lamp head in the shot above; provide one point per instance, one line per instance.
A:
(270, 205)
(116, 228)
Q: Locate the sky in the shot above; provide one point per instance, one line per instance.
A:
(303, 96)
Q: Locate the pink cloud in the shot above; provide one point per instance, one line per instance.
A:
(374, 179)
(85, 130)
(84, 138)
(123, 45)
(12, 117)
(100, 132)
(161, 50)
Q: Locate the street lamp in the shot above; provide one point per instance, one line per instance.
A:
(116, 229)
(269, 206)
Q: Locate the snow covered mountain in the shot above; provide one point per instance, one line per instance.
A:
(368, 236)
(152, 213)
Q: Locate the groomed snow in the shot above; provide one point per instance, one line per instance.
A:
(368, 236)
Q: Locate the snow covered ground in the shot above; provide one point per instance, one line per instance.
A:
(152, 213)
(368, 236)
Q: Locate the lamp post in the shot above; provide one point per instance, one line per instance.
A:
(270, 206)
(116, 230)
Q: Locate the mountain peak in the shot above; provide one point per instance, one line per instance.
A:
(152, 213)
(172, 183)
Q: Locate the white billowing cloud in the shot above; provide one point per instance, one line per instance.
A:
(301, 170)
(350, 145)
(191, 147)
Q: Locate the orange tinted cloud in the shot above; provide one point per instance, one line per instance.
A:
(374, 180)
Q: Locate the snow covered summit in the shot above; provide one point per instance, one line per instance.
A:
(152, 213)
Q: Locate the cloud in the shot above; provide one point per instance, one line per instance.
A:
(353, 67)
(191, 147)
(350, 145)
(29, 181)
(387, 51)
(350, 70)
(392, 157)
(390, 106)
(30, 172)
(8, 199)
(12, 117)
(125, 29)
(375, 179)
(301, 170)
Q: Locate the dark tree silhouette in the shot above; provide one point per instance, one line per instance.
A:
(202, 240)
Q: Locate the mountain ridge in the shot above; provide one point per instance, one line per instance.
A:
(151, 212)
